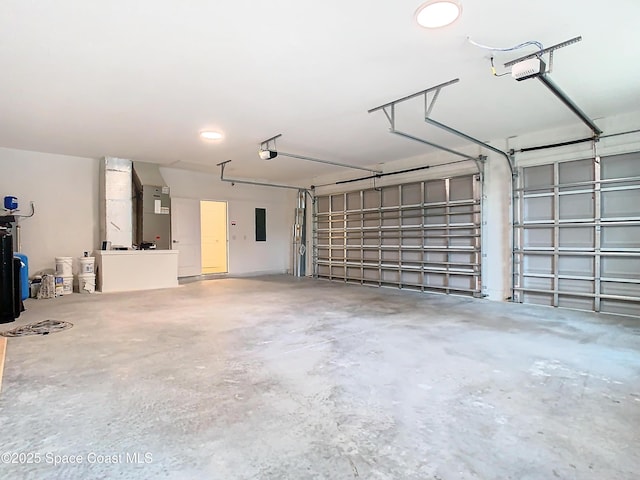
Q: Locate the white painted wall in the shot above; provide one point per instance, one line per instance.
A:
(246, 256)
(65, 192)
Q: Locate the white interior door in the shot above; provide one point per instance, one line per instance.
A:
(185, 232)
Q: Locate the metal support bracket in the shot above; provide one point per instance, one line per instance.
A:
(460, 134)
(548, 50)
(266, 145)
(233, 181)
(389, 111)
(480, 163)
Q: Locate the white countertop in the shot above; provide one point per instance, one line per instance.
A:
(135, 252)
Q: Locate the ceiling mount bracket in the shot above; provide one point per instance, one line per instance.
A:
(544, 51)
(446, 128)
(389, 111)
(266, 145)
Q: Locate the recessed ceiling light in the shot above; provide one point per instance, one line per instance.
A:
(210, 135)
(438, 13)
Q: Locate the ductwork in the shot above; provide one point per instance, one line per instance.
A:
(152, 207)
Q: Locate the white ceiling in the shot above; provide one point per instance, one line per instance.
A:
(139, 79)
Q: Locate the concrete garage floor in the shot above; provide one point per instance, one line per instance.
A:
(283, 378)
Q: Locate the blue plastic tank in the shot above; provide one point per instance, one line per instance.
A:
(24, 274)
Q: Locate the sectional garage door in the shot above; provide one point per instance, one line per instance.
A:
(423, 236)
(577, 235)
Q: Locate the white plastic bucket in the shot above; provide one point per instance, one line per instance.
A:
(86, 265)
(67, 285)
(87, 283)
(64, 266)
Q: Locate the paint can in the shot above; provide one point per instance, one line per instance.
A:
(87, 265)
(64, 266)
(87, 283)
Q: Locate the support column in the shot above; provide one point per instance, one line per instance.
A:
(497, 229)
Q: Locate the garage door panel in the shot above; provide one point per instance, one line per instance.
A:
(538, 237)
(535, 298)
(621, 289)
(587, 216)
(435, 216)
(538, 283)
(323, 270)
(409, 256)
(539, 177)
(353, 201)
(538, 209)
(462, 241)
(411, 218)
(390, 276)
(370, 255)
(461, 282)
(435, 191)
(462, 258)
(621, 203)
(370, 273)
(412, 194)
(371, 199)
(354, 255)
(577, 206)
(435, 258)
(577, 237)
(620, 166)
(621, 236)
(538, 264)
(461, 188)
(435, 238)
(435, 279)
(579, 171)
(337, 203)
(621, 267)
(421, 234)
(576, 286)
(411, 278)
(322, 204)
(411, 241)
(390, 197)
(620, 307)
(582, 266)
(575, 302)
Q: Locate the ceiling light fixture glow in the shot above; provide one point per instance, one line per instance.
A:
(210, 135)
(438, 13)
